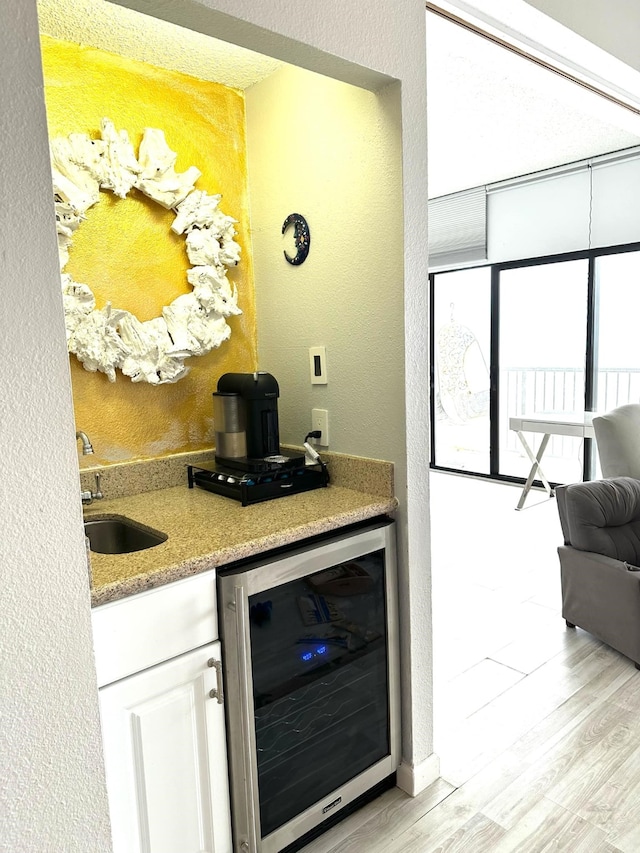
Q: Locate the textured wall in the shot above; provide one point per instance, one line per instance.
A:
(347, 296)
(52, 795)
(47, 663)
(126, 252)
(346, 144)
(370, 45)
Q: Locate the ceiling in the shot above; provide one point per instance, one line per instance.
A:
(492, 115)
(98, 23)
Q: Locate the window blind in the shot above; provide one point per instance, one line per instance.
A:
(615, 215)
(545, 214)
(458, 228)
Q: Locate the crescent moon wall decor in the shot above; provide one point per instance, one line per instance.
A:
(301, 236)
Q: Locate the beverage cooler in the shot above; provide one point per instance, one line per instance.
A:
(310, 652)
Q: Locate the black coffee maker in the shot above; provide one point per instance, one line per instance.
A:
(250, 466)
(245, 417)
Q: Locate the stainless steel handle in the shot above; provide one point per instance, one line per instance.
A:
(98, 492)
(246, 710)
(217, 692)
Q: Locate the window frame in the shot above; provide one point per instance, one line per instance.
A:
(591, 255)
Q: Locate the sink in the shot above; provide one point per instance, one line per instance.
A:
(116, 534)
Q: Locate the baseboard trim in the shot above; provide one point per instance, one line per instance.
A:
(414, 779)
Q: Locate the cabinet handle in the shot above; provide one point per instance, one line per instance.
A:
(248, 753)
(218, 692)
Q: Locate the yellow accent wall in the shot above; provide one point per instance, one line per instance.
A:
(126, 252)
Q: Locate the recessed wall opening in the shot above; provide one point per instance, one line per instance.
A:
(299, 141)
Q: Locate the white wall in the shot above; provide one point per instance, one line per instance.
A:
(336, 158)
(599, 21)
(52, 787)
(336, 39)
(333, 152)
(52, 794)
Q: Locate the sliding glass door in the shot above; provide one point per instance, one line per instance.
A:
(549, 336)
(542, 344)
(617, 350)
(461, 348)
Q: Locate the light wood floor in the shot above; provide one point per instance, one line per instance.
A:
(537, 726)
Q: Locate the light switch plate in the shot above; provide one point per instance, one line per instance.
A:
(318, 365)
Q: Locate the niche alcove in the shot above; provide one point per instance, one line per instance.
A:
(302, 141)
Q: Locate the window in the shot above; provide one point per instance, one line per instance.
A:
(542, 343)
(462, 344)
(550, 335)
(617, 350)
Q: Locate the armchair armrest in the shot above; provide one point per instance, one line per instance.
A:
(602, 596)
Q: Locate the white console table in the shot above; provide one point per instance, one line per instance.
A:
(578, 426)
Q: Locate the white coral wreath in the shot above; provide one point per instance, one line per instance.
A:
(104, 339)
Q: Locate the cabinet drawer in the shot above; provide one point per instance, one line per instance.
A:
(145, 629)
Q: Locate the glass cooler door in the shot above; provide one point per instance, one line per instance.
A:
(318, 652)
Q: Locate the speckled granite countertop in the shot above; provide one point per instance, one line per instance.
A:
(206, 530)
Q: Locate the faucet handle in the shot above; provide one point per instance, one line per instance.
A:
(98, 492)
(89, 496)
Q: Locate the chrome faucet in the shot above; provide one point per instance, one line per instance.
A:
(89, 496)
(86, 444)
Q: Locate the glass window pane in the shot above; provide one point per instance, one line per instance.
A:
(617, 351)
(462, 328)
(543, 316)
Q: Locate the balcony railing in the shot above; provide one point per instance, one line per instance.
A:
(462, 442)
(560, 390)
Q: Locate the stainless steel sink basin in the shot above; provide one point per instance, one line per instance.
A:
(116, 534)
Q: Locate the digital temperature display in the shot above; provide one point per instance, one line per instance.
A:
(317, 652)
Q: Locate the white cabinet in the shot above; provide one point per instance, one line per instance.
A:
(165, 757)
(139, 631)
(163, 726)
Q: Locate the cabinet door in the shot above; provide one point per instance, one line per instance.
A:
(165, 758)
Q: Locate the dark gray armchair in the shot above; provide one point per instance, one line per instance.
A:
(600, 560)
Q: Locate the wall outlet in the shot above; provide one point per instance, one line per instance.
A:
(320, 420)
